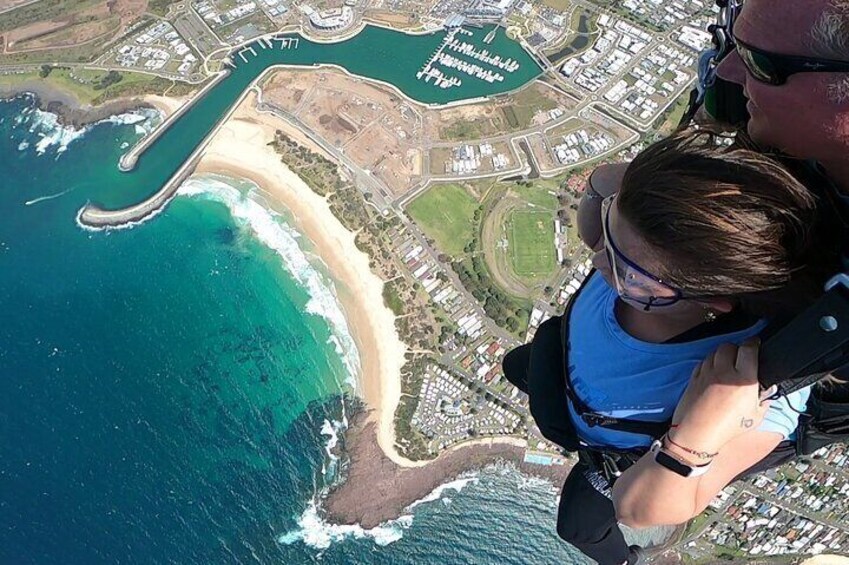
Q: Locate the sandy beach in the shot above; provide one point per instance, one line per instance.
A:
(240, 149)
(166, 104)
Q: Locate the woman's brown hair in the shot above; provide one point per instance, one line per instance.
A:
(728, 221)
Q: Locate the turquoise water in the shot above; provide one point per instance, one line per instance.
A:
(168, 392)
(375, 52)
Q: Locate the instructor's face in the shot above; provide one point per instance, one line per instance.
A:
(796, 117)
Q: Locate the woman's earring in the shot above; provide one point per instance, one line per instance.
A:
(710, 315)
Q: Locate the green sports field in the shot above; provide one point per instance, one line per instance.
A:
(446, 213)
(531, 242)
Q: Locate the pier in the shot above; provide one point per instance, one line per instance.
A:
(130, 158)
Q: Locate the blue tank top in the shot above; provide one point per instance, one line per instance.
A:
(620, 376)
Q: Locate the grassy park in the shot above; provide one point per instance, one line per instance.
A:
(524, 105)
(445, 212)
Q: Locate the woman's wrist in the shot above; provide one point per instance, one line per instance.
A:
(686, 452)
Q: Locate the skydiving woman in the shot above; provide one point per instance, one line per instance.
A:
(651, 374)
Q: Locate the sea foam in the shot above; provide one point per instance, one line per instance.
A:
(268, 227)
(456, 485)
(317, 533)
(52, 135)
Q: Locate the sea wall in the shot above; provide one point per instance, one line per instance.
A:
(92, 216)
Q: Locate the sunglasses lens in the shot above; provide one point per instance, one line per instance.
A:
(759, 65)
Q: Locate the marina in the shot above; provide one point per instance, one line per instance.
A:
(445, 60)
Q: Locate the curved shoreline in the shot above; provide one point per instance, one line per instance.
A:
(240, 149)
(68, 109)
(376, 489)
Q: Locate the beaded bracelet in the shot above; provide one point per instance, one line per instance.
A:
(699, 454)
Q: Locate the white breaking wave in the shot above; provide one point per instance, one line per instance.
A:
(331, 429)
(533, 483)
(145, 120)
(330, 467)
(272, 232)
(455, 485)
(52, 134)
(315, 532)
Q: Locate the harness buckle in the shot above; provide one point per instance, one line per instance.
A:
(610, 467)
(592, 419)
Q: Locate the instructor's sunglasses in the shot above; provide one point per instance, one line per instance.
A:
(772, 68)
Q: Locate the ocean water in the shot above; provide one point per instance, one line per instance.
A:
(169, 393)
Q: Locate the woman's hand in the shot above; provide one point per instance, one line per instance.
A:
(722, 401)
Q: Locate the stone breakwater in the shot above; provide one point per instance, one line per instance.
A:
(94, 217)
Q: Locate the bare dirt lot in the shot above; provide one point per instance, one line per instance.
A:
(286, 89)
(67, 24)
(377, 128)
(379, 151)
(393, 19)
(542, 153)
(526, 108)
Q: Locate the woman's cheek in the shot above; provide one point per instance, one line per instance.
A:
(601, 263)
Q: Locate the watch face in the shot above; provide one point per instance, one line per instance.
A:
(673, 464)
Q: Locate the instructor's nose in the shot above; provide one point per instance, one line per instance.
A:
(732, 69)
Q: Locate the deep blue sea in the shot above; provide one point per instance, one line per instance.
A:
(168, 392)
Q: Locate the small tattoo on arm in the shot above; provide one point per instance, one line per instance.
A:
(746, 423)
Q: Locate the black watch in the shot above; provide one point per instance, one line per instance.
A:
(675, 465)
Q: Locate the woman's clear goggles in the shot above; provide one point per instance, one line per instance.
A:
(633, 283)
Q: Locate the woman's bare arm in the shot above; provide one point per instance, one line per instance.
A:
(719, 412)
(648, 494)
